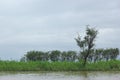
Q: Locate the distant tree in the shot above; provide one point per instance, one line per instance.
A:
(91, 55)
(40, 56)
(46, 56)
(105, 54)
(71, 56)
(37, 56)
(64, 56)
(23, 59)
(55, 55)
(87, 43)
(31, 56)
(98, 55)
(114, 53)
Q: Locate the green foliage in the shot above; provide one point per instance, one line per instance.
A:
(55, 55)
(59, 66)
(36, 56)
(104, 54)
(72, 56)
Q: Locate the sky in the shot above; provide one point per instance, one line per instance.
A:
(46, 25)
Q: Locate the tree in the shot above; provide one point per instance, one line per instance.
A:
(87, 43)
(55, 55)
(37, 56)
(23, 59)
(31, 56)
(71, 56)
(114, 53)
(46, 56)
(98, 55)
(64, 56)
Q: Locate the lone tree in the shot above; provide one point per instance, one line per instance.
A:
(86, 45)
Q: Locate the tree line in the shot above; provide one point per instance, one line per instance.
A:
(71, 56)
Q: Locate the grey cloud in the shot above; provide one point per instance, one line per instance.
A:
(108, 38)
(50, 24)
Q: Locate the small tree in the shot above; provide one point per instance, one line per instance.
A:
(87, 43)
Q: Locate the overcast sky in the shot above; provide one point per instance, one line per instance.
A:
(44, 25)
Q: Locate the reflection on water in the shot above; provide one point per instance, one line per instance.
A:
(60, 75)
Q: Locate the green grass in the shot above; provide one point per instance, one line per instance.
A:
(58, 66)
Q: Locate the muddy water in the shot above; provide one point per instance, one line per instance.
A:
(60, 75)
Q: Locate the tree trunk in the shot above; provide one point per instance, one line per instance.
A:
(85, 59)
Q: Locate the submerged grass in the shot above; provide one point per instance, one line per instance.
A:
(59, 66)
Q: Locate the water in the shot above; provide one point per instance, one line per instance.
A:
(60, 75)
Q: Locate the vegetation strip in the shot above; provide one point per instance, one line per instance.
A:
(59, 66)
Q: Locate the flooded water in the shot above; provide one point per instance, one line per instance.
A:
(60, 75)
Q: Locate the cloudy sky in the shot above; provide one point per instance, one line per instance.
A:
(53, 24)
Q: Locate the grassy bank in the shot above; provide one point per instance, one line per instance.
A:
(58, 66)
